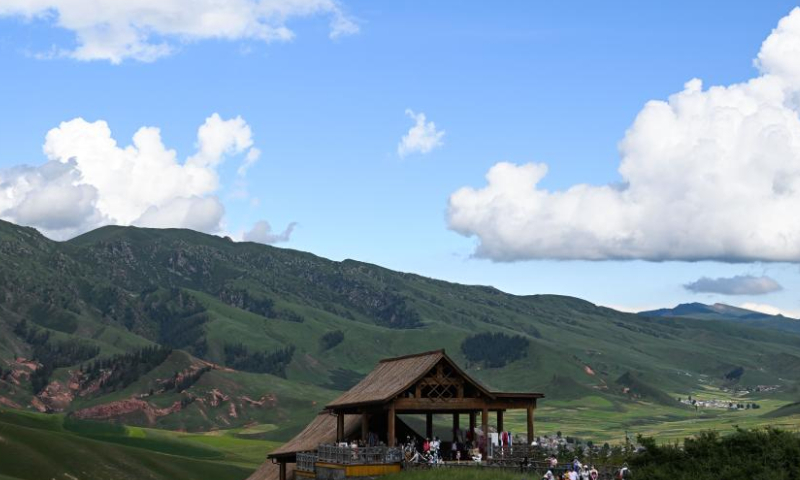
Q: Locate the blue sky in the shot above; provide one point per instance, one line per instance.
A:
(546, 82)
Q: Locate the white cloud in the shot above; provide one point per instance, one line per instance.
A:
(262, 233)
(217, 138)
(706, 175)
(736, 285)
(249, 160)
(421, 138)
(145, 30)
(770, 309)
(49, 196)
(197, 213)
(89, 180)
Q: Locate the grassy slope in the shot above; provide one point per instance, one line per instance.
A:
(37, 446)
(676, 357)
(790, 410)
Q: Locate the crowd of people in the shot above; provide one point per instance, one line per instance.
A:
(577, 471)
(431, 451)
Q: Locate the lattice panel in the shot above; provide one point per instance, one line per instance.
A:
(442, 385)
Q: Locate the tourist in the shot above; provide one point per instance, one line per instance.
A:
(435, 446)
(584, 472)
(624, 472)
(573, 475)
(476, 455)
(552, 461)
(426, 445)
(548, 476)
(594, 474)
(576, 465)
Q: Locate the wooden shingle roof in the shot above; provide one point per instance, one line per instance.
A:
(321, 430)
(392, 376)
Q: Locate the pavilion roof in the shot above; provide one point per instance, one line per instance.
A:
(321, 431)
(392, 376)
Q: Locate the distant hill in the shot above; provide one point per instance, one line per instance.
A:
(636, 387)
(721, 311)
(784, 411)
(182, 330)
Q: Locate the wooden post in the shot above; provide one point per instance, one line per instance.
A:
(390, 433)
(530, 424)
(364, 427)
(339, 427)
(456, 426)
(429, 425)
(485, 428)
(500, 421)
(472, 425)
(282, 470)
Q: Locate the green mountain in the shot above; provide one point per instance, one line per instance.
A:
(182, 330)
(721, 311)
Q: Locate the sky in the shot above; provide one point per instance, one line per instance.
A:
(634, 154)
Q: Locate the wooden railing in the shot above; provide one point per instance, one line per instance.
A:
(358, 455)
(306, 461)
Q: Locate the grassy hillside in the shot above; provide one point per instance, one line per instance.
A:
(36, 446)
(789, 410)
(256, 334)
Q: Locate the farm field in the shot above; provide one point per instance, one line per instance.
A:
(600, 420)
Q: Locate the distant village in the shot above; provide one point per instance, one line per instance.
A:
(723, 404)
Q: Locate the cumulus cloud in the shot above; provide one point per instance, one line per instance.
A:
(709, 174)
(249, 160)
(144, 30)
(262, 233)
(737, 285)
(89, 180)
(49, 196)
(197, 213)
(421, 138)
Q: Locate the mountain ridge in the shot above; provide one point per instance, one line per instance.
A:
(725, 312)
(282, 331)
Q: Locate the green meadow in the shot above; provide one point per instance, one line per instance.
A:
(35, 446)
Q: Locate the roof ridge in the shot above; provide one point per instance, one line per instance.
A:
(422, 354)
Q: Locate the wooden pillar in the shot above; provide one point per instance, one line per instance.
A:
(282, 470)
(429, 425)
(340, 427)
(530, 423)
(456, 426)
(364, 427)
(472, 425)
(390, 433)
(500, 421)
(485, 428)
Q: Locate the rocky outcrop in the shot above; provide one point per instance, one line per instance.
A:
(216, 398)
(126, 407)
(7, 402)
(56, 396)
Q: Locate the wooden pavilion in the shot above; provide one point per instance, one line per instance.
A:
(426, 383)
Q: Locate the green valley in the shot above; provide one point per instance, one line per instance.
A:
(168, 331)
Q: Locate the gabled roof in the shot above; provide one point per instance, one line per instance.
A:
(321, 430)
(393, 376)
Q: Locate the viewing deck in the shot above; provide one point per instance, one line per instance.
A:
(332, 462)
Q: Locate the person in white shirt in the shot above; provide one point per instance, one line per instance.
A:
(573, 475)
(584, 472)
